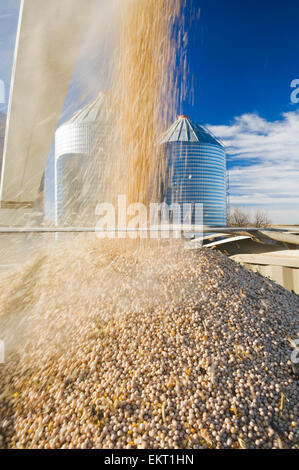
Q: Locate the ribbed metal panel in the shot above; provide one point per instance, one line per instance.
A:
(196, 170)
(282, 267)
(68, 176)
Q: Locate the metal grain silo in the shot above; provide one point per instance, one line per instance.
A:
(196, 170)
(80, 155)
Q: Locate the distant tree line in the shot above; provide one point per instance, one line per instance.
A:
(240, 217)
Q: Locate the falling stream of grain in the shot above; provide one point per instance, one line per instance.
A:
(147, 72)
(148, 67)
(147, 85)
(145, 94)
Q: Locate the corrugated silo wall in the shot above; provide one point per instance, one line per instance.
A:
(80, 157)
(197, 174)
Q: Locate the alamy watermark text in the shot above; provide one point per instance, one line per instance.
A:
(153, 221)
(295, 93)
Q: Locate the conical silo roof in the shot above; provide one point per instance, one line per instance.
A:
(95, 111)
(186, 130)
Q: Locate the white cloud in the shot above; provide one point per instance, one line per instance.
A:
(264, 164)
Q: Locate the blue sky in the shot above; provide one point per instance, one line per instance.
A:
(243, 56)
